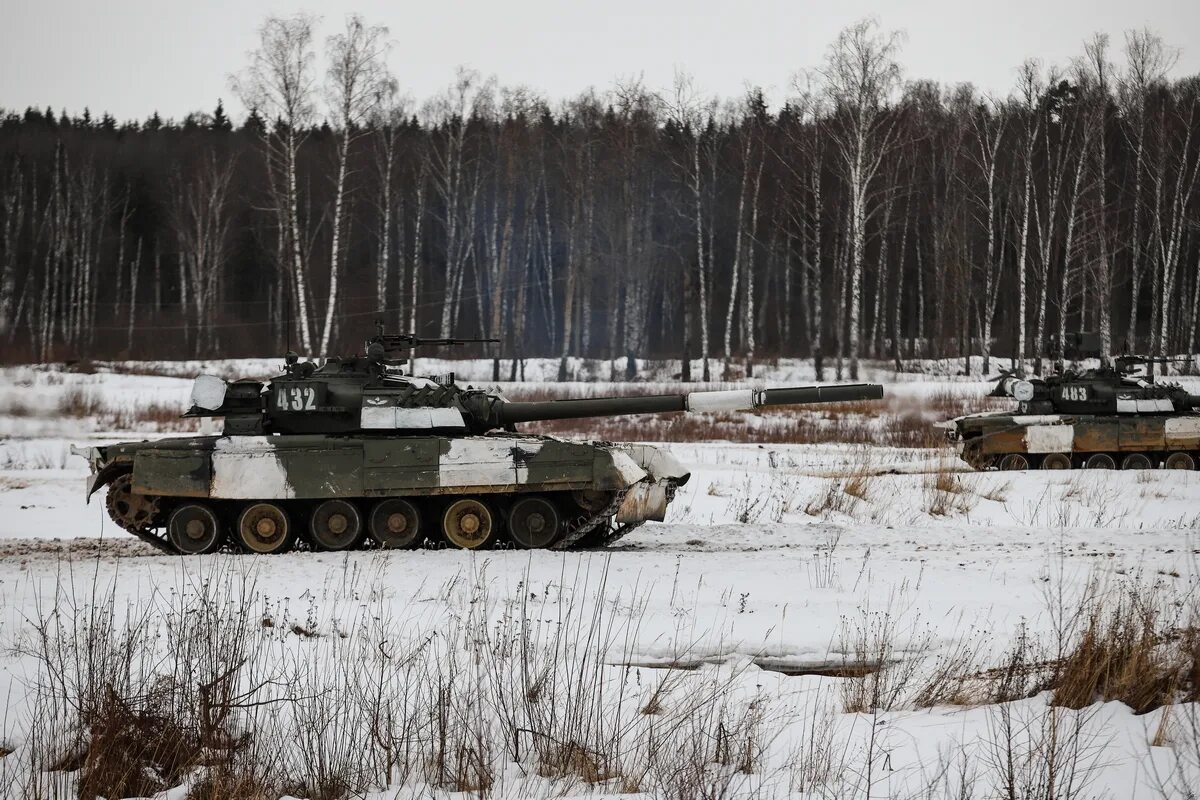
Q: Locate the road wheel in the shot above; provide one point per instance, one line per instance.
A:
(336, 525)
(133, 512)
(395, 524)
(1056, 461)
(1181, 461)
(534, 523)
(1100, 461)
(1136, 461)
(1014, 461)
(264, 528)
(194, 529)
(468, 523)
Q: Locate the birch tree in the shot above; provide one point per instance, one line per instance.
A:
(860, 75)
(988, 126)
(200, 216)
(692, 116)
(356, 84)
(12, 220)
(805, 161)
(1096, 72)
(1148, 60)
(279, 83)
(455, 177)
(389, 119)
(1029, 89)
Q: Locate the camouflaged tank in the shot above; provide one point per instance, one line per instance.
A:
(1095, 418)
(354, 452)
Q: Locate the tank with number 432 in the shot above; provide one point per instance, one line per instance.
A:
(1100, 418)
(354, 452)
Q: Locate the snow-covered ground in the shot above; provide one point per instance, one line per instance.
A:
(725, 652)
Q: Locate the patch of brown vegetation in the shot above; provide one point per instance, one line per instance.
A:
(1125, 653)
(135, 750)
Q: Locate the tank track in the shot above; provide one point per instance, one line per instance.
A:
(154, 540)
(610, 535)
(583, 531)
(581, 526)
(981, 462)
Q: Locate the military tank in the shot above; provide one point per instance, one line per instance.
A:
(1098, 418)
(354, 452)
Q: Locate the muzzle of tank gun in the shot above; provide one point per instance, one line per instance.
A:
(1016, 388)
(510, 413)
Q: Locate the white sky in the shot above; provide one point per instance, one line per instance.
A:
(132, 57)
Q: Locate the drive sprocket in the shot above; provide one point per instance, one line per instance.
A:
(133, 512)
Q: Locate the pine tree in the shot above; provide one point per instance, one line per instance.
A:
(154, 123)
(220, 122)
(254, 123)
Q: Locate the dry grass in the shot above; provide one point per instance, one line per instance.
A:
(79, 402)
(195, 684)
(886, 674)
(944, 493)
(1126, 651)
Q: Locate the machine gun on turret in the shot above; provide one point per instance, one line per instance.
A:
(385, 346)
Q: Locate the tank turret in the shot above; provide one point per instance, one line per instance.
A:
(354, 452)
(1100, 390)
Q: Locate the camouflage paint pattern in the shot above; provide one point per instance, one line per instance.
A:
(985, 437)
(315, 467)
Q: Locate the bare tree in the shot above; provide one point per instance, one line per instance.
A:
(201, 219)
(1173, 179)
(388, 119)
(12, 218)
(692, 115)
(988, 123)
(1029, 88)
(860, 74)
(356, 85)
(278, 83)
(804, 162)
(1096, 72)
(455, 177)
(1148, 61)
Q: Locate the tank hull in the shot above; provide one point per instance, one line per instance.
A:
(987, 440)
(296, 473)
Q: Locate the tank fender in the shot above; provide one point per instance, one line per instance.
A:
(644, 501)
(658, 463)
(101, 473)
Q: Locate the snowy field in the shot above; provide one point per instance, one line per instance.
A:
(812, 621)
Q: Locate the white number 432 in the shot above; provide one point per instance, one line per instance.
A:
(297, 398)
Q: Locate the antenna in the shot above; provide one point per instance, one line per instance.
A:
(288, 317)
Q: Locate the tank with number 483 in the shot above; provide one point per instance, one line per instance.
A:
(354, 452)
(1099, 418)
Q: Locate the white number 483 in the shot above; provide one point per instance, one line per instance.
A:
(1075, 393)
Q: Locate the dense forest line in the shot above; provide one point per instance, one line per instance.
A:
(870, 216)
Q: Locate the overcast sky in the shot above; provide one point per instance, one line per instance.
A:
(133, 57)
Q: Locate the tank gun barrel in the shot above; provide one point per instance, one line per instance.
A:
(510, 413)
(1016, 388)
